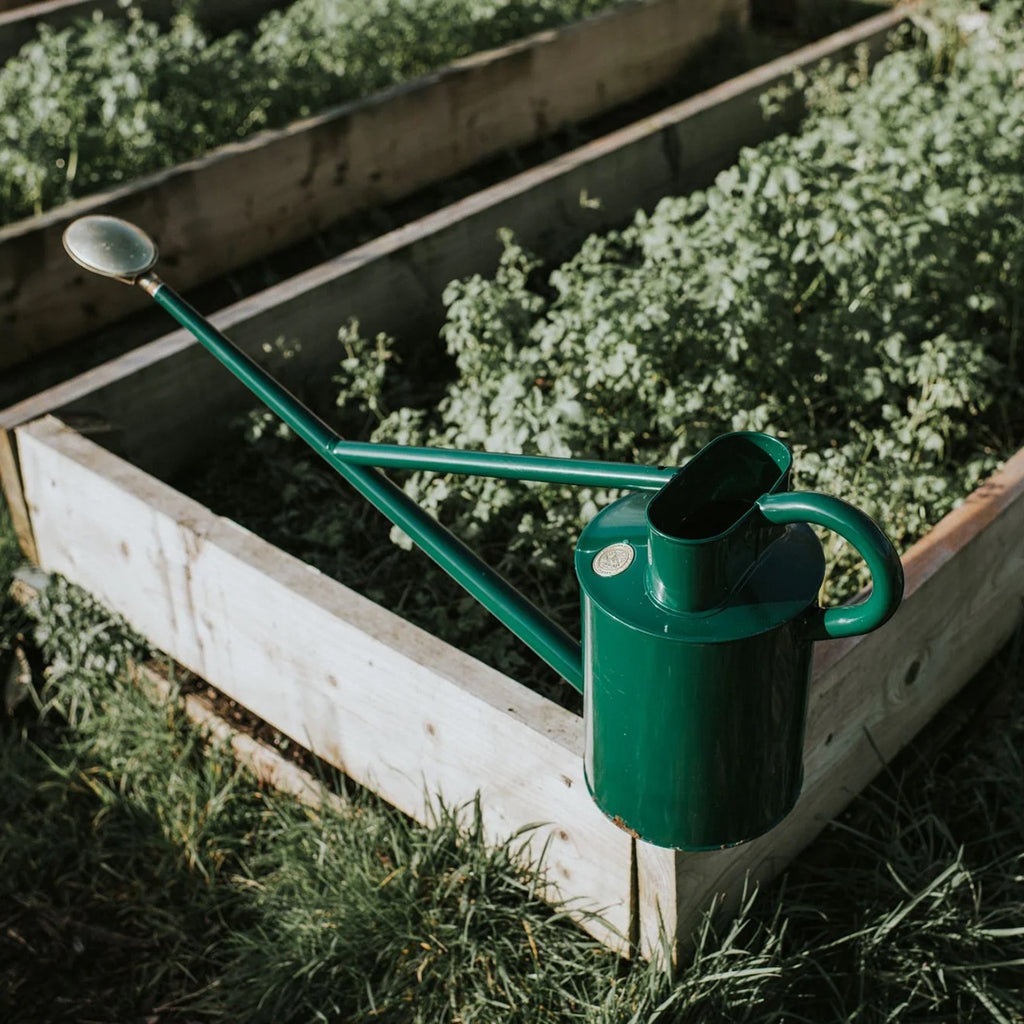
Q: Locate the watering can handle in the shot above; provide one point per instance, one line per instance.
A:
(874, 547)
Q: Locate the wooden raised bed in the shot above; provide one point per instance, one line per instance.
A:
(400, 711)
(245, 200)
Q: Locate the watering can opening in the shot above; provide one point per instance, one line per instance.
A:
(706, 530)
(719, 486)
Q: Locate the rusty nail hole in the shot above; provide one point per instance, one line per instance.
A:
(567, 781)
(431, 731)
(625, 828)
(563, 835)
(908, 679)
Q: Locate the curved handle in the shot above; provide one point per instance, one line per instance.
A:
(873, 546)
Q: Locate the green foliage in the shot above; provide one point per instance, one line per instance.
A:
(11, 615)
(115, 821)
(854, 289)
(106, 100)
(374, 919)
(80, 640)
(10, 556)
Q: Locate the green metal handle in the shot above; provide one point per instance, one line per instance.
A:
(873, 546)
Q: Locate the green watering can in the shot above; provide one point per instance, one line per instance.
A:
(699, 596)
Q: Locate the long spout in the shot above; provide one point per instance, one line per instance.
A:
(114, 248)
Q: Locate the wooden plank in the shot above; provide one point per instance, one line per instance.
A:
(392, 706)
(13, 5)
(19, 21)
(394, 283)
(871, 695)
(10, 480)
(266, 763)
(246, 200)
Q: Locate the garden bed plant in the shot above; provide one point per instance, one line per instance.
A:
(854, 289)
(109, 99)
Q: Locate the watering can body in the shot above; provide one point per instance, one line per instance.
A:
(699, 609)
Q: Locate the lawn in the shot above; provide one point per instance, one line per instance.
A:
(149, 877)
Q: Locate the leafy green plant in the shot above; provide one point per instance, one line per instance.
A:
(103, 101)
(854, 289)
(106, 100)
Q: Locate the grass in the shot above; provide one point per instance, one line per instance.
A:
(147, 877)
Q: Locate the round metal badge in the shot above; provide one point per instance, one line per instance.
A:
(612, 560)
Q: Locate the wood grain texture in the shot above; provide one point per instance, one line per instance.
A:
(10, 480)
(393, 707)
(394, 282)
(870, 695)
(246, 200)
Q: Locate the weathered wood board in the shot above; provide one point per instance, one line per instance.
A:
(245, 200)
(393, 707)
(11, 473)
